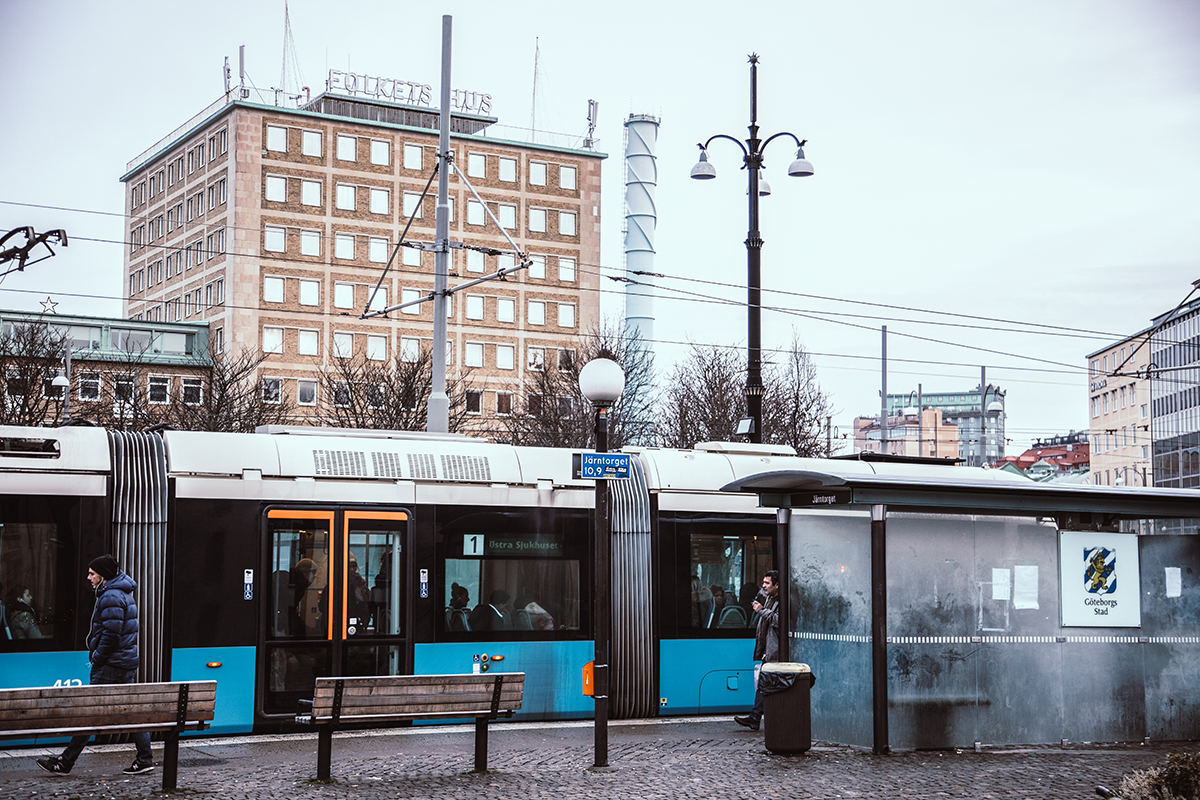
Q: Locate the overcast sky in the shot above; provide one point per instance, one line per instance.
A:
(1030, 161)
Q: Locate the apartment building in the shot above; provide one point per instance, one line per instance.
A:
(1120, 413)
(274, 225)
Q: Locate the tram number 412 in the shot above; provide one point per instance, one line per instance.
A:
(68, 682)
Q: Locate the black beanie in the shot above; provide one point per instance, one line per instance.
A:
(104, 566)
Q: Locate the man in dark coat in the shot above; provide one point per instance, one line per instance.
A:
(766, 641)
(113, 652)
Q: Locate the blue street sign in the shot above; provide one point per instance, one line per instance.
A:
(604, 466)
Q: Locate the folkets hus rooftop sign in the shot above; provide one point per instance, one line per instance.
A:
(1100, 580)
(397, 91)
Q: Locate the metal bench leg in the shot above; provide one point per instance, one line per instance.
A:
(481, 730)
(171, 762)
(324, 751)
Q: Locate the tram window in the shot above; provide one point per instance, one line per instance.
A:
(724, 576)
(299, 576)
(501, 581)
(37, 589)
(375, 580)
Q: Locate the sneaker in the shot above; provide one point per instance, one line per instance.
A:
(138, 769)
(747, 721)
(54, 764)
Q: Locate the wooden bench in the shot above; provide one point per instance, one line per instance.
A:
(111, 708)
(344, 702)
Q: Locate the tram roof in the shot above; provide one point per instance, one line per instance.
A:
(947, 489)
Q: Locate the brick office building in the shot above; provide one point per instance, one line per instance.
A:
(274, 224)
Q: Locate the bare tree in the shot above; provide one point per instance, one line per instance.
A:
(387, 395)
(228, 396)
(705, 397)
(31, 355)
(556, 414)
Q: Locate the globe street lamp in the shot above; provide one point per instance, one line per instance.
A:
(752, 156)
(601, 381)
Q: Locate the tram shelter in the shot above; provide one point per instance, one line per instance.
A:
(945, 606)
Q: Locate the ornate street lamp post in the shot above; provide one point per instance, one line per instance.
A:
(752, 152)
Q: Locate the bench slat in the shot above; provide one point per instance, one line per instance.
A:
(476, 696)
(367, 718)
(421, 690)
(10, 705)
(95, 729)
(59, 717)
(107, 690)
(429, 680)
(418, 709)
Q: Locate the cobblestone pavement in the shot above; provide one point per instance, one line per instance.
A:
(673, 759)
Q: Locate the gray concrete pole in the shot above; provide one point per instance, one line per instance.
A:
(879, 651)
(883, 409)
(438, 409)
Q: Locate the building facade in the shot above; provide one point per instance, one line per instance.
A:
(961, 409)
(1119, 408)
(1175, 397)
(274, 225)
(909, 434)
(121, 373)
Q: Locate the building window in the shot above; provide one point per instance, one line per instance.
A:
(380, 201)
(219, 291)
(410, 349)
(475, 215)
(473, 356)
(381, 152)
(536, 359)
(341, 394)
(346, 200)
(566, 269)
(272, 339)
(474, 306)
(377, 348)
(310, 293)
(273, 239)
(193, 391)
(410, 257)
(272, 389)
(1106, 402)
(377, 299)
(566, 360)
(276, 141)
(475, 261)
(343, 345)
(218, 345)
(508, 170)
(310, 193)
(537, 173)
(407, 296)
(272, 289)
(476, 165)
(412, 205)
(308, 343)
(310, 143)
(1144, 411)
(310, 243)
(474, 401)
(537, 312)
(537, 220)
(504, 403)
(208, 296)
(377, 250)
(343, 295)
(343, 245)
(537, 267)
(89, 386)
(412, 156)
(505, 308)
(505, 356)
(566, 177)
(507, 216)
(306, 392)
(160, 390)
(347, 147)
(566, 315)
(566, 223)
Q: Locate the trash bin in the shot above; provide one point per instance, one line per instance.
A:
(786, 707)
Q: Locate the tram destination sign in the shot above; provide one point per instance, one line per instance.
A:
(602, 466)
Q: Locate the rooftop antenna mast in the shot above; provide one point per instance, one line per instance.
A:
(290, 77)
(533, 104)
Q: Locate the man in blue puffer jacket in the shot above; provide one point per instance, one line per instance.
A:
(112, 644)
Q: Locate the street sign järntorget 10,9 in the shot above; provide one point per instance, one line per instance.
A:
(602, 466)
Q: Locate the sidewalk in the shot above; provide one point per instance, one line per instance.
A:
(671, 759)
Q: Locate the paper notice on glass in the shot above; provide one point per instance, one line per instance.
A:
(1001, 584)
(1025, 587)
(1174, 582)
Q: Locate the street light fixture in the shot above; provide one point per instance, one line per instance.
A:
(601, 381)
(752, 156)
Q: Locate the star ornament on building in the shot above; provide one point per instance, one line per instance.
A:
(49, 306)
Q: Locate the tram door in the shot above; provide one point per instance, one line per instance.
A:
(336, 599)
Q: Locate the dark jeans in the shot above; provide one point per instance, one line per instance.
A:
(109, 675)
(757, 712)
